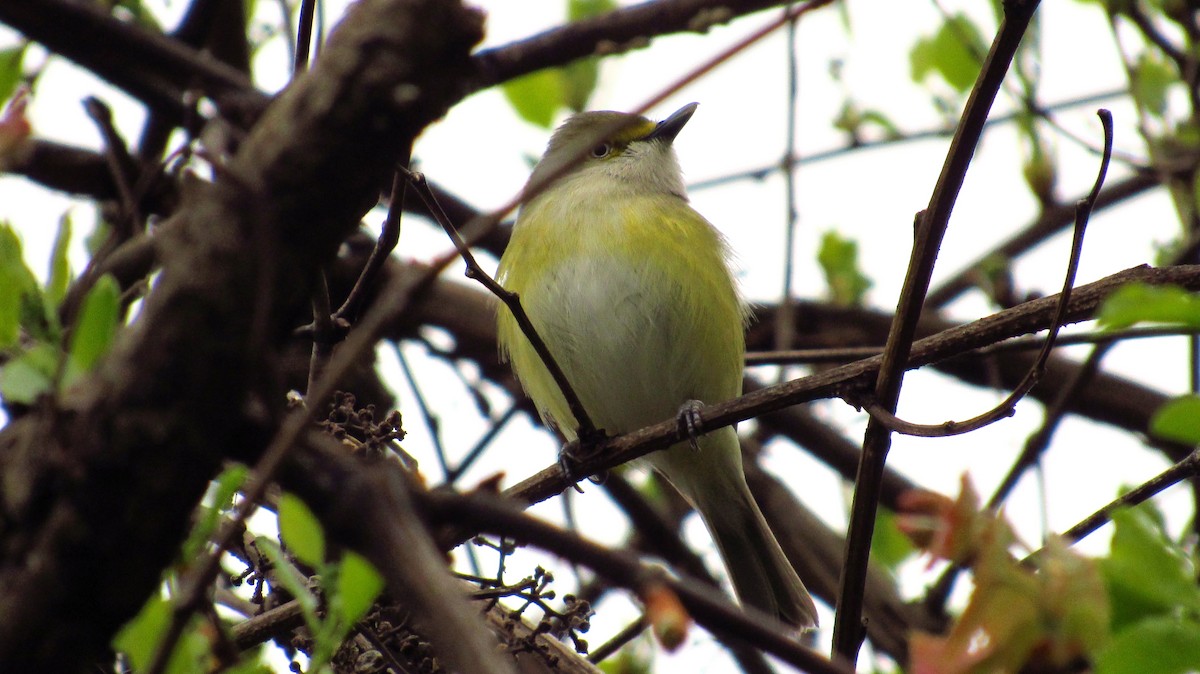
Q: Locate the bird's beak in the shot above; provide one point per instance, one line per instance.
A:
(671, 126)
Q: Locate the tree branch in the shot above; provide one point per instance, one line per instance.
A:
(119, 462)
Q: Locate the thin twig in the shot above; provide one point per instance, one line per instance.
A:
(1189, 467)
(785, 317)
(628, 633)
(431, 421)
(304, 36)
(762, 172)
(1008, 406)
(586, 429)
(389, 236)
(323, 337)
(116, 155)
(846, 354)
(482, 444)
(848, 632)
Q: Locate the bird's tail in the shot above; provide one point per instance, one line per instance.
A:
(762, 576)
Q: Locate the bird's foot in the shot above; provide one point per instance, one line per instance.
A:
(577, 452)
(690, 423)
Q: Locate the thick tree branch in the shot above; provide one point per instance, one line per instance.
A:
(119, 462)
(617, 31)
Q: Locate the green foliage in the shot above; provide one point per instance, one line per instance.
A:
(838, 258)
(30, 374)
(94, 332)
(140, 637)
(1138, 303)
(953, 53)
(222, 495)
(358, 586)
(1156, 602)
(1152, 78)
(536, 97)
(889, 545)
(60, 267)
(11, 63)
(30, 332)
(19, 293)
(1178, 420)
(539, 96)
(1147, 574)
(855, 122)
(350, 585)
(1162, 644)
(301, 531)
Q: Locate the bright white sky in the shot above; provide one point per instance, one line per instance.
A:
(480, 152)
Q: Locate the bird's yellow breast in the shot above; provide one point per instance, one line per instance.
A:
(634, 298)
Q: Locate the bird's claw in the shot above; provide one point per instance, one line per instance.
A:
(690, 422)
(575, 453)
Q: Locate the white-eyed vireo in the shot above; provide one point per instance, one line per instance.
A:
(631, 291)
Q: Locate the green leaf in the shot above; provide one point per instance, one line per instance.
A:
(301, 531)
(94, 332)
(11, 70)
(60, 266)
(1138, 302)
(30, 375)
(1178, 420)
(18, 287)
(953, 53)
(1163, 645)
(1146, 573)
(536, 96)
(139, 640)
(291, 580)
(358, 586)
(578, 82)
(1152, 78)
(227, 485)
(889, 545)
(583, 9)
(838, 258)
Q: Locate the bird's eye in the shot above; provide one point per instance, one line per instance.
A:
(601, 151)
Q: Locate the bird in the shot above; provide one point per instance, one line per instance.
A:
(632, 292)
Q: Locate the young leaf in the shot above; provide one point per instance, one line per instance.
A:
(1152, 77)
(838, 258)
(1162, 644)
(227, 485)
(953, 53)
(17, 286)
(358, 586)
(29, 375)
(536, 96)
(1178, 420)
(1138, 302)
(889, 545)
(139, 640)
(291, 580)
(1146, 573)
(301, 531)
(60, 267)
(11, 60)
(94, 332)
